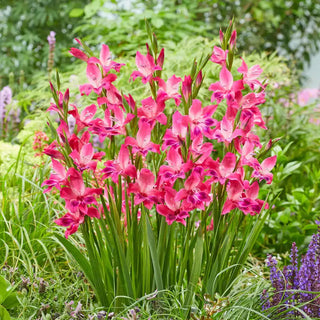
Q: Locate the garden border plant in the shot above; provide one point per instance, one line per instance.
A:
(157, 207)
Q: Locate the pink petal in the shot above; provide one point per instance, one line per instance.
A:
(76, 182)
(226, 78)
(228, 206)
(94, 75)
(86, 153)
(102, 100)
(192, 181)
(123, 157)
(105, 57)
(85, 89)
(234, 190)
(58, 168)
(88, 113)
(78, 54)
(144, 134)
(253, 191)
(143, 64)
(93, 212)
(195, 110)
(170, 199)
(243, 68)
(269, 163)
(146, 180)
(227, 164)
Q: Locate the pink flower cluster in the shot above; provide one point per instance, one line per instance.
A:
(166, 158)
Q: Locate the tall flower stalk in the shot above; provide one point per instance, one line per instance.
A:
(52, 42)
(172, 199)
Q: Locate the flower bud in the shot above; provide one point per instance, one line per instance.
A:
(199, 79)
(160, 59)
(233, 39)
(78, 54)
(186, 87)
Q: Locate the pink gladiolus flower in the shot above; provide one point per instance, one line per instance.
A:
(251, 101)
(199, 150)
(113, 98)
(175, 167)
(224, 170)
(195, 193)
(77, 196)
(251, 75)
(219, 56)
(142, 144)
(143, 189)
(247, 155)
(96, 82)
(146, 67)
(105, 60)
(176, 136)
(56, 179)
(226, 86)
(83, 159)
(121, 166)
(201, 119)
(51, 151)
(84, 119)
(172, 210)
(263, 172)
(170, 89)
(249, 202)
(224, 131)
(77, 143)
(73, 220)
(234, 191)
(111, 125)
(153, 110)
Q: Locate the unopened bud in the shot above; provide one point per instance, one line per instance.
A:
(199, 79)
(186, 87)
(78, 54)
(233, 39)
(66, 96)
(221, 36)
(160, 59)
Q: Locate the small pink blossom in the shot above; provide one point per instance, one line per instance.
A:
(146, 68)
(219, 56)
(144, 189)
(142, 143)
(172, 209)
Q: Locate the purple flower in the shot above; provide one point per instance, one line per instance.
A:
(5, 99)
(285, 284)
(51, 38)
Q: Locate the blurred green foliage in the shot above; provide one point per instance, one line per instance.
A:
(297, 174)
(291, 27)
(24, 27)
